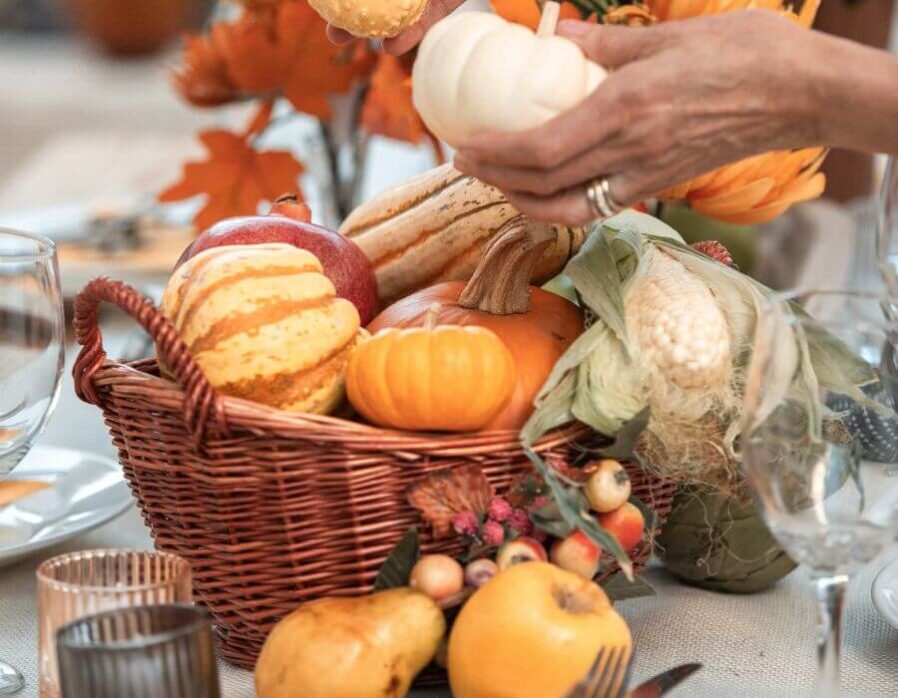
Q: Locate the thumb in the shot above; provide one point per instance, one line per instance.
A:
(610, 46)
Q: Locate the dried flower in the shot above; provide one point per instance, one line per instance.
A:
(500, 509)
(715, 250)
(519, 522)
(465, 523)
(493, 533)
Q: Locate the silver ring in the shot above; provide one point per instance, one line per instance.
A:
(601, 202)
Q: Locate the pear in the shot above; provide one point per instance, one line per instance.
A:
(366, 647)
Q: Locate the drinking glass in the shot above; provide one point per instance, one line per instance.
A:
(76, 585)
(887, 227)
(820, 448)
(31, 358)
(162, 651)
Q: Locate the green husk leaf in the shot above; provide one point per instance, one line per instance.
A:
(553, 410)
(619, 588)
(595, 275)
(397, 568)
(640, 225)
(586, 344)
(608, 389)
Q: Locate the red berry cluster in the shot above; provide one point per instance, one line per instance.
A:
(500, 523)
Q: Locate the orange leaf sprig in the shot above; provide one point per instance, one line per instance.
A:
(278, 49)
(234, 176)
(283, 52)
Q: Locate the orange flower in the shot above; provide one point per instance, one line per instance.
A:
(666, 10)
(757, 189)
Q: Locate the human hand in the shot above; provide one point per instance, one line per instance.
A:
(411, 37)
(682, 98)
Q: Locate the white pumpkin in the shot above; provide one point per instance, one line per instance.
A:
(477, 72)
(371, 18)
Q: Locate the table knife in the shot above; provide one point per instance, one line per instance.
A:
(663, 682)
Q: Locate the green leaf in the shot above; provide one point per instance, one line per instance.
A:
(619, 588)
(397, 568)
(622, 446)
(548, 518)
(571, 506)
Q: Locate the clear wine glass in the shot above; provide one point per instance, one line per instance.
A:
(32, 332)
(820, 448)
(887, 228)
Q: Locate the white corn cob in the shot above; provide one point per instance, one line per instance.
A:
(677, 326)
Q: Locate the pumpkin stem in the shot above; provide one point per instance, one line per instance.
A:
(549, 19)
(501, 283)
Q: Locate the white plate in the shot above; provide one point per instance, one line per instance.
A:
(87, 491)
(885, 593)
(67, 225)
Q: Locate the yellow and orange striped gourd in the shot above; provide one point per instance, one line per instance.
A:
(264, 324)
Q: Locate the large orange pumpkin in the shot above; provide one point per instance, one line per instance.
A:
(535, 325)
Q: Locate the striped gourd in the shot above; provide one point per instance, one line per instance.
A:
(264, 324)
(434, 228)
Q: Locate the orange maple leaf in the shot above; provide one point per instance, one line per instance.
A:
(280, 51)
(388, 109)
(317, 68)
(202, 78)
(234, 177)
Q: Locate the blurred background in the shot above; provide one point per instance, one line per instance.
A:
(91, 127)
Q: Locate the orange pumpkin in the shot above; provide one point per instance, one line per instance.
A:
(535, 325)
(430, 378)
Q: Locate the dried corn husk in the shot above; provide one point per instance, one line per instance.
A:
(673, 398)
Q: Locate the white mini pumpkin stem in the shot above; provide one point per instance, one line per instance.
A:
(549, 19)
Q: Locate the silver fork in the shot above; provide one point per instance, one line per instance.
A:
(607, 677)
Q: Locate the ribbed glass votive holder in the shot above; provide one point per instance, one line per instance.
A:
(80, 584)
(145, 652)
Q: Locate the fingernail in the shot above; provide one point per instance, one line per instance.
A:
(574, 27)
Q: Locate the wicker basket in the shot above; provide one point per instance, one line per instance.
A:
(270, 508)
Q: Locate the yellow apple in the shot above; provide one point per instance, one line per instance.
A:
(531, 632)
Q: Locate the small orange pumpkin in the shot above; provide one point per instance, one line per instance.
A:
(445, 378)
(537, 326)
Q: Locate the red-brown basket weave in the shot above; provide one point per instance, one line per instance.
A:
(271, 508)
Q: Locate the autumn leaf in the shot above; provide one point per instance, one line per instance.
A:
(316, 67)
(283, 50)
(234, 177)
(388, 109)
(202, 79)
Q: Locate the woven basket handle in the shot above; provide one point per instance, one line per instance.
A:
(202, 404)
